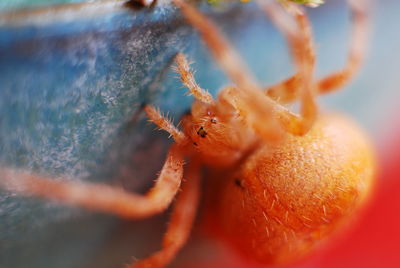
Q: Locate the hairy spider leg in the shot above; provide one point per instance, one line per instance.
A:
(288, 89)
(225, 104)
(286, 92)
(181, 221)
(264, 115)
(183, 68)
(101, 197)
(301, 46)
(357, 51)
(294, 31)
(249, 96)
(164, 123)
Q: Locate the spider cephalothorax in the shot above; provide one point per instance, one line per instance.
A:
(219, 138)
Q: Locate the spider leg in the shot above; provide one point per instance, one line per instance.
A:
(182, 218)
(301, 45)
(188, 80)
(286, 92)
(224, 54)
(101, 197)
(359, 37)
(299, 37)
(249, 96)
(165, 124)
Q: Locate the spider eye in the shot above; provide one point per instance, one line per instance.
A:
(213, 120)
(201, 132)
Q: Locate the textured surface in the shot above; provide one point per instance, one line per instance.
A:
(297, 195)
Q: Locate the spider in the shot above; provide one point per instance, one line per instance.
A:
(282, 182)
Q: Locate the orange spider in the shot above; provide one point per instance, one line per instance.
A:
(282, 182)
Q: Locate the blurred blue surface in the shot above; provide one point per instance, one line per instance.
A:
(69, 91)
(71, 88)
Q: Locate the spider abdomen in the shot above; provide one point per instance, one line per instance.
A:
(283, 201)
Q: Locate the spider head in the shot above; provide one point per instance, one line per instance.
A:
(216, 136)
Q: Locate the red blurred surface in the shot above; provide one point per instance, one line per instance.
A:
(375, 241)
